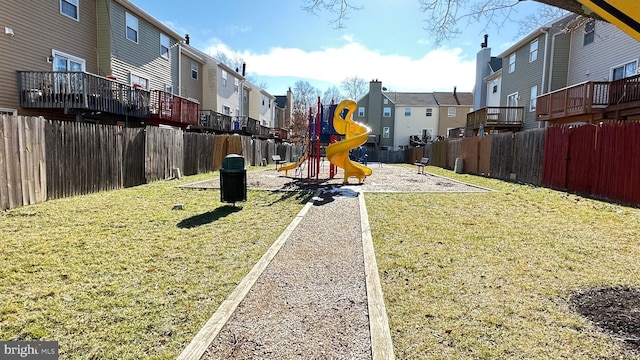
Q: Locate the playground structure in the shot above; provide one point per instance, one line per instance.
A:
(355, 134)
(325, 127)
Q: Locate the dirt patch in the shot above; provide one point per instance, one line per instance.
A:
(616, 310)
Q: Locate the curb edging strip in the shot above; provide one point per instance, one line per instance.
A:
(381, 344)
(212, 327)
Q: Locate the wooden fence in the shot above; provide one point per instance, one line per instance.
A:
(23, 156)
(41, 159)
(600, 160)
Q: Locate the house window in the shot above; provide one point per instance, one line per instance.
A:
(385, 132)
(226, 110)
(361, 111)
(385, 101)
(494, 88)
(136, 80)
(407, 111)
(429, 112)
(589, 33)
(4, 111)
(533, 50)
(66, 62)
(532, 100)
(132, 27)
(194, 70)
(236, 84)
(164, 46)
(70, 8)
(512, 62)
(245, 97)
(224, 78)
(451, 111)
(262, 97)
(386, 111)
(623, 71)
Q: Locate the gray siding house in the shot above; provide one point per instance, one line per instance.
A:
(617, 52)
(536, 64)
(377, 110)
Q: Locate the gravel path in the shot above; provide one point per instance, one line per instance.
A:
(311, 300)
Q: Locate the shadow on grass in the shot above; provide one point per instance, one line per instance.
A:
(208, 217)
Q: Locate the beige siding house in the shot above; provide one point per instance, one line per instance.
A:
(192, 74)
(454, 107)
(45, 35)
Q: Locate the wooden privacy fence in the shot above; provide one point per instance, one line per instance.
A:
(598, 160)
(528, 155)
(23, 178)
(505, 156)
(41, 159)
(501, 158)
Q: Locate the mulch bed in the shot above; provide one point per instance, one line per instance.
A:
(615, 310)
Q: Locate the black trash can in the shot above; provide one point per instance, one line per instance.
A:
(233, 179)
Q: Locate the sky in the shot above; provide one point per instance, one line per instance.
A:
(281, 43)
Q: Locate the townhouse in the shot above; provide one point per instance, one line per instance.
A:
(454, 108)
(401, 119)
(108, 61)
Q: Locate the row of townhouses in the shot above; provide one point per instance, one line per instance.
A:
(108, 61)
(572, 70)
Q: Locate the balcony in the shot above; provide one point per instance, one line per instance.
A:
(79, 91)
(167, 108)
(277, 133)
(210, 119)
(584, 101)
(624, 98)
(496, 118)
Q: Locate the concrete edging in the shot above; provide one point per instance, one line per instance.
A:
(212, 327)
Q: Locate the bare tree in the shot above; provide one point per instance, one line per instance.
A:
(332, 94)
(341, 9)
(237, 63)
(532, 21)
(443, 16)
(354, 87)
(305, 97)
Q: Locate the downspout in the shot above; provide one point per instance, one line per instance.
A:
(544, 68)
(553, 50)
(180, 68)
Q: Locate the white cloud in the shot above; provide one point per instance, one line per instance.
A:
(439, 70)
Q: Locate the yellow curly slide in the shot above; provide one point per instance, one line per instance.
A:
(355, 134)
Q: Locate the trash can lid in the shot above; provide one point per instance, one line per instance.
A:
(233, 161)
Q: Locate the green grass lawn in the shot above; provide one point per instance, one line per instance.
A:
(488, 275)
(120, 275)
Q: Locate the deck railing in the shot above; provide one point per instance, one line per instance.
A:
(173, 108)
(70, 90)
(584, 98)
(501, 116)
(624, 90)
(216, 121)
